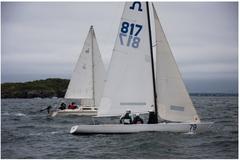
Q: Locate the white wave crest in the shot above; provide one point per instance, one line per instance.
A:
(20, 114)
(35, 134)
(5, 114)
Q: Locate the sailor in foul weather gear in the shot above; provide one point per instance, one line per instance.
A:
(126, 118)
(152, 117)
(62, 106)
(137, 119)
(193, 127)
(72, 106)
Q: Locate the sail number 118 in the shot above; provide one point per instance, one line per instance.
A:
(133, 30)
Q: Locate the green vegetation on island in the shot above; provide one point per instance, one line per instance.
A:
(56, 87)
(52, 87)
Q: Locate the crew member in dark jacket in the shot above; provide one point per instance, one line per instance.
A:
(62, 106)
(137, 119)
(151, 118)
(126, 118)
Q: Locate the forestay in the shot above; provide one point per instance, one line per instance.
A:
(87, 80)
(174, 103)
(129, 81)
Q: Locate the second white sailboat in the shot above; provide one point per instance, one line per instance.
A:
(87, 82)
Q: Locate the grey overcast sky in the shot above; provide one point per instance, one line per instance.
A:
(43, 40)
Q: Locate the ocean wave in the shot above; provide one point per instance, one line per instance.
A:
(217, 143)
(55, 132)
(5, 114)
(190, 133)
(26, 126)
(35, 134)
(14, 114)
(45, 133)
(20, 114)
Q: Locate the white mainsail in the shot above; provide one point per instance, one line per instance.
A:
(174, 103)
(87, 80)
(129, 81)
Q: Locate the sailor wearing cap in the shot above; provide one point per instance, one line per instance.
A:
(126, 118)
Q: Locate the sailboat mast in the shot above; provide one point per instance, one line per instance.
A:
(92, 34)
(152, 61)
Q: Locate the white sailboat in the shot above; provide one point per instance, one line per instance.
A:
(87, 81)
(131, 82)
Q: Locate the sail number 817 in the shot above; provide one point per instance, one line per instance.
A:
(132, 39)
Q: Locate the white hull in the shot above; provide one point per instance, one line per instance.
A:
(78, 112)
(134, 128)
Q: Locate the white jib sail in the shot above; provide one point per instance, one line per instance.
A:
(88, 76)
(129, 79)
(174, 103)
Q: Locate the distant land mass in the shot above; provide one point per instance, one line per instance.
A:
(51, 87)
(55, 87)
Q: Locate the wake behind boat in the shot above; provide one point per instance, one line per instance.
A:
(87, 82)
(131, 82)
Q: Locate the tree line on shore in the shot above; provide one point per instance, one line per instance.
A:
(51, 87)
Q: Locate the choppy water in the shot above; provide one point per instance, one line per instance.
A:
(28, 133)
